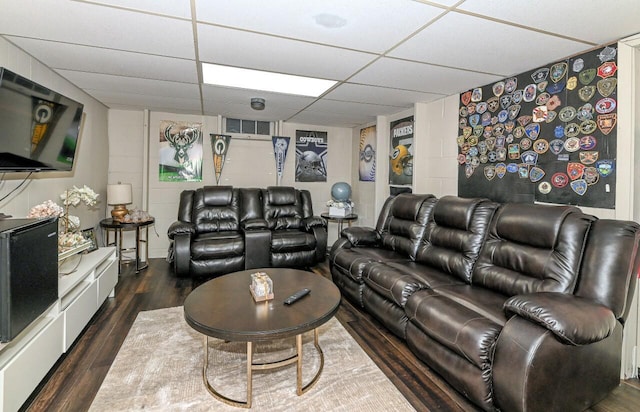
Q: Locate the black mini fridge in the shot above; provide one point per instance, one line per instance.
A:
(28, 272)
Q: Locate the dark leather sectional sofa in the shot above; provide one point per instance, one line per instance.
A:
(221, 229)
(519, 307)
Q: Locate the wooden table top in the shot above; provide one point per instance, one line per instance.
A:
(224, 308)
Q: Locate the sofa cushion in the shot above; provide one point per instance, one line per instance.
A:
(397, 281)
(351, 262)
(217, 195)
(453, 238)
(216, 245)
(532, 248)
(292, 241)
(408, 219)
(461, 330)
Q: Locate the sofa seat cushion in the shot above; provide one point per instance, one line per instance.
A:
(217, 245)
(351, 262)
(292, 241)
(463, 331)
(397, 281)
(485, 302)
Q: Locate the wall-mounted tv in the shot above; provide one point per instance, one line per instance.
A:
(39, 128)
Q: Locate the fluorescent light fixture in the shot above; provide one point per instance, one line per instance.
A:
(265, 81)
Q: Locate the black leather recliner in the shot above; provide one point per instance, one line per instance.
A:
(221, 229)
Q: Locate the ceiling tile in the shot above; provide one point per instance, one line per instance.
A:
(130, 85)
(88, 24)
(177, 8)
(276, 54)
(379, 95)
(597, 21)
(421, 77)
(318, 21)
(488, 46)
(106, 61)
(129, 101)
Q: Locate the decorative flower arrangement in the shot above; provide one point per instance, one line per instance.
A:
(68, 237)
(340, 205)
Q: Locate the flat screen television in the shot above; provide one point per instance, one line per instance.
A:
(39, 128)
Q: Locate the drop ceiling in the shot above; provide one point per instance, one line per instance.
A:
(385, 54)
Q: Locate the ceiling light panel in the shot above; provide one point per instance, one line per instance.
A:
(266, 81)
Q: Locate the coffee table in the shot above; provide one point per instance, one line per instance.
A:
(223, 308)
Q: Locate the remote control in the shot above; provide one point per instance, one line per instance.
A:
(297, 296)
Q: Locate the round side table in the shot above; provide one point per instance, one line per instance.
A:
(340, 220)
(110, 225)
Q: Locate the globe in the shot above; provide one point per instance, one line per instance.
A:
(341, 191)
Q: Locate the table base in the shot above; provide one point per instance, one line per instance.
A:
(251, 366)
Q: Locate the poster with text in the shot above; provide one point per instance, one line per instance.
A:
(280, 148)
(220, 147)
(311, 156)
(367, 154)
(180, 152)
(401, 155)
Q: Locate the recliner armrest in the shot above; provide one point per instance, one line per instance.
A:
(362, 236)
(255, 224)
(181, 228)
(574, 320)
(313, 221)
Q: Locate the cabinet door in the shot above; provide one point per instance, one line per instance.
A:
(78, 313)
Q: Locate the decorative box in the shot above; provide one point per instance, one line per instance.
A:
(339, 211)
(261, 287)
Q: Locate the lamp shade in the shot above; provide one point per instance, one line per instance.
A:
(119, 194)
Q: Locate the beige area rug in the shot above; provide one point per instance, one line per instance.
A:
(159, 368)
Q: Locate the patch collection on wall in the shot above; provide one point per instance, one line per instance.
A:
(545, 135)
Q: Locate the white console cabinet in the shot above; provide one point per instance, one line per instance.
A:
(28, 358)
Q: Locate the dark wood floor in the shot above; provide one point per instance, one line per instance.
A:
(74, 381)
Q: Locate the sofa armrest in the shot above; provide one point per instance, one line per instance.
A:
(573, 319)
(181, 228)
(313, 221)
(361, 236)
(255, 224)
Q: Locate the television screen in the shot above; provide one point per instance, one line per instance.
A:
(39, 128)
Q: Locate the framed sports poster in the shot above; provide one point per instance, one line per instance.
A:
(367, 154)
(311, 156)
(180, 152)
(401, 152)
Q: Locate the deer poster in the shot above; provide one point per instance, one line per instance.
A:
(180, 153)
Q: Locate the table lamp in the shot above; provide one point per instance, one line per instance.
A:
(118, 196)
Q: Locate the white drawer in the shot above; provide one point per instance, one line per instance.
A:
(25, 371)
(107, 280)
(78, 314)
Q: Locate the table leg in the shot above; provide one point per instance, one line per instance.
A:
(214, 392)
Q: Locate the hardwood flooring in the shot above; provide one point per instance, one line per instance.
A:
(73, 382)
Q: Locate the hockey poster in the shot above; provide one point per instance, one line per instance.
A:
(180, 152)
(311, 156)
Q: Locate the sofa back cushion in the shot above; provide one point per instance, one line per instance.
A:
(453, 238)
(532, 248)
(409, 215)
(215, 209)
(282, 207)
(610, 265)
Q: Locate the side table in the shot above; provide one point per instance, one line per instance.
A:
(110, 225)
(340, 220)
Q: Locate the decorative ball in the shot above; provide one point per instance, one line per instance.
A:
(341, 192)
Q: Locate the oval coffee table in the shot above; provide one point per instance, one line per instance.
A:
(223, 308)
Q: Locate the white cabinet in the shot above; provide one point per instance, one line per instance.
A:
(28, 358)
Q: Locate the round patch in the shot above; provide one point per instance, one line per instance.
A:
(540, 146)
(567, 113)
(572, 144)
(525, 143)
(559, 180)
(544, 187)
(587, 142)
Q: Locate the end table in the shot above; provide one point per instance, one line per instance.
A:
(110, 225)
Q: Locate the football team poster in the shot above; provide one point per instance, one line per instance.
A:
(401, 156)
(311, 156)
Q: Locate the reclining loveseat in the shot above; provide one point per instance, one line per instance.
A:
(221, 229)
(519, 307)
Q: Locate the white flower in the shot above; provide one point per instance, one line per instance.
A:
(46, 209)
(74, 196)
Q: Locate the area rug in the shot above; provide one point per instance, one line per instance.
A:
(159, 368)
